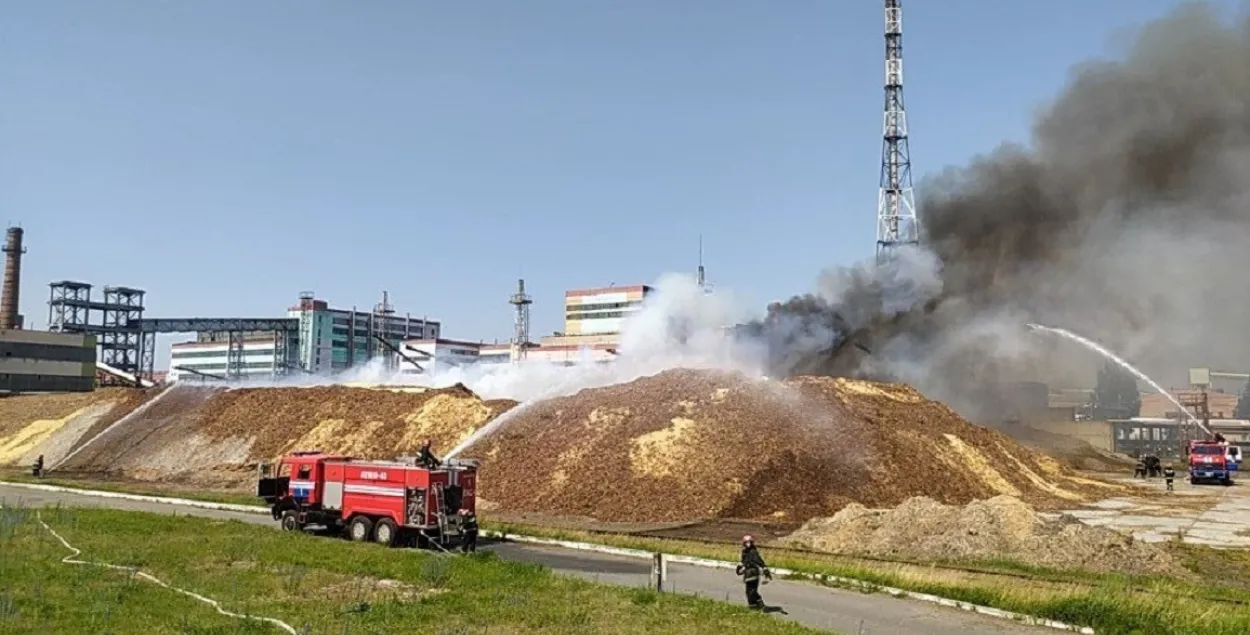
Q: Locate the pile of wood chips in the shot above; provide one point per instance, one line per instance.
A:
(686, 445)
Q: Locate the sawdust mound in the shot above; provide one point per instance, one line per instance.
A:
(1001, 527)
(53, 424)
(685, 445)
(215, 436)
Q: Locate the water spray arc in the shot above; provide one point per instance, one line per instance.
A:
(896, 204)
(1102, 350)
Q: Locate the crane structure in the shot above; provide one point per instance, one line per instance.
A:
(897, 223)
(521, 301)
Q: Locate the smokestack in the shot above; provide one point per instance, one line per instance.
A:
(12, 279)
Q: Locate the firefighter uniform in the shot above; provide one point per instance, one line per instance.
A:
(1139, 470)
(37, 468)
(751, 568)
(1169, 475)
(427, 458)
(468, 531)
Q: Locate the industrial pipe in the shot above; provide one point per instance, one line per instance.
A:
(12, 279)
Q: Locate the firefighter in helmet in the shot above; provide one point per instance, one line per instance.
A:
(468, 531)
(37, 469)
(751, 568)
(427, 457)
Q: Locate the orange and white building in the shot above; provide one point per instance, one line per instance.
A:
(602, 311)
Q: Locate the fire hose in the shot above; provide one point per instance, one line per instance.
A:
(433, 541)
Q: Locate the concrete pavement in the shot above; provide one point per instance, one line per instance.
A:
(819, 607)
(1212, 515)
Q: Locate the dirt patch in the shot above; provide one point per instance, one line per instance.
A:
(1001, 527)
(374, 590)
(687, 445)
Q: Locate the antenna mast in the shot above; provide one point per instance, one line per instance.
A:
(896, 204)
(701, 276)
(521, 331)
(702, 279)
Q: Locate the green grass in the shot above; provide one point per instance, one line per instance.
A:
(324, 586)
(1113, 604)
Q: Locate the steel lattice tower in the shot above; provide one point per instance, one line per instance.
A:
(896, 204)
(521, 327)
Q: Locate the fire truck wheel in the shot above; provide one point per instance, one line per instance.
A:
(290, 522)
(360, 528)
(384, 533)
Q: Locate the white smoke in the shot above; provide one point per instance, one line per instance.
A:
(679, 326)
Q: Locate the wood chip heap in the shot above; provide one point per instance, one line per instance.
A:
(683, 445)
(215, 436)
(1001, 527)
(687, 445)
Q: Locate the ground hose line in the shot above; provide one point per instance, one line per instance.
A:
(73, 559)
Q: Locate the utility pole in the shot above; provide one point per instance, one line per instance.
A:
(521, 331)
(896, 205)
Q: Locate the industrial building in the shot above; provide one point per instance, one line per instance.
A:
(210, 357)
(39, 361)
(593, 321)
(335, 339)
(320, 339)
(602, 311)
(439, 355)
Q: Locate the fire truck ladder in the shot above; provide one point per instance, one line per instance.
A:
(436, 493)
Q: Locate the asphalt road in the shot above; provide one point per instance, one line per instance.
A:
(835, 610)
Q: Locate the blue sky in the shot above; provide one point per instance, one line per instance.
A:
(227, 155)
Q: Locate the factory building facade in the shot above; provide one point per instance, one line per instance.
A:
(438, 355)
(603, 310)
(335, 339)
(328, 340)
(39, 361)
(208, 357)
(441, 355)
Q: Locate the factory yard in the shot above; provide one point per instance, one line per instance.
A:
(858, 479)
(1207, 515)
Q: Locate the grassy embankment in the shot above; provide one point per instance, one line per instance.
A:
(316, 586)
(1112, 604)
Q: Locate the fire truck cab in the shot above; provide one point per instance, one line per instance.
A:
(389, 502)
(1213, 461)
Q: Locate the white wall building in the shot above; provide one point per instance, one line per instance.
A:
(438, 355)
(212, 358)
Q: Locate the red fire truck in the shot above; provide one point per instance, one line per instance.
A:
(1213, 461)
(389, 502)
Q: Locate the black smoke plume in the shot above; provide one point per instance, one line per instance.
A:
(1126, 219)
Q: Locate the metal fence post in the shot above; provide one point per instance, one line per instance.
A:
(657, 571)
